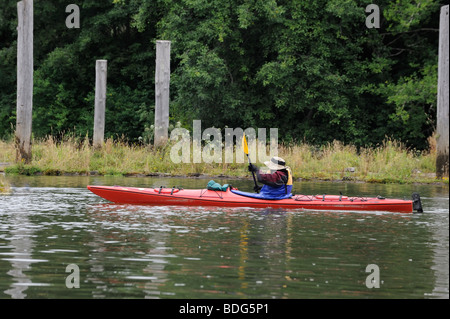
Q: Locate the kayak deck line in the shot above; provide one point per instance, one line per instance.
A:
(205, 197)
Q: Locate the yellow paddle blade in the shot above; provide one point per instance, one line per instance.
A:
(244, 144)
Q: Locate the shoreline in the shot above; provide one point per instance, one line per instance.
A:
(388, 163)
(37, 172)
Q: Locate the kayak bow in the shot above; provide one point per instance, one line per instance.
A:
(204, 197)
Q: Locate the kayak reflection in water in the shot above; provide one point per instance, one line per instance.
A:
(278, 183)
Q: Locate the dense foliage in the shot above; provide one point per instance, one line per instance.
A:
(309, 67)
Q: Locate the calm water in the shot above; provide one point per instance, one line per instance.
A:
(125, 251)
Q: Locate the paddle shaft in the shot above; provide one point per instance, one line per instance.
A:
(253, 174)
(245, 147)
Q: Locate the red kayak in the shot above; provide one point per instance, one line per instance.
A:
(233, 198)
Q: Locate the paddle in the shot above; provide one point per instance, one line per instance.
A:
(245, 147)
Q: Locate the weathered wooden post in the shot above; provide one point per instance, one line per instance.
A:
(24, 80)
(162, 83)
(442, 118)
(100, 103)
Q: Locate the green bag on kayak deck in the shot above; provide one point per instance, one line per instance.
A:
(212, 185)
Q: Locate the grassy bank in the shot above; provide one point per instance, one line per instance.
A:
(390, 162)
(4, 185)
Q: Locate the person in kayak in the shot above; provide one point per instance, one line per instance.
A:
(278, 183)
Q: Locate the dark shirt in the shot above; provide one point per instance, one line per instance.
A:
(277, 179)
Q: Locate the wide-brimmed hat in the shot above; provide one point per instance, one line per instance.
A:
(276, 163)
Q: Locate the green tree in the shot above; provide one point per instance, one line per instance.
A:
(8, 58)
(311, 68)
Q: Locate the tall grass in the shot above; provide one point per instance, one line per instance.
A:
(389, 162)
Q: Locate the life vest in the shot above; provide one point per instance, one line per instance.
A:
(280, 192)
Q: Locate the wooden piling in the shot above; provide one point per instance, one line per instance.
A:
(24, 81)
(162, 83)
(100, 103)
(442, 119)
